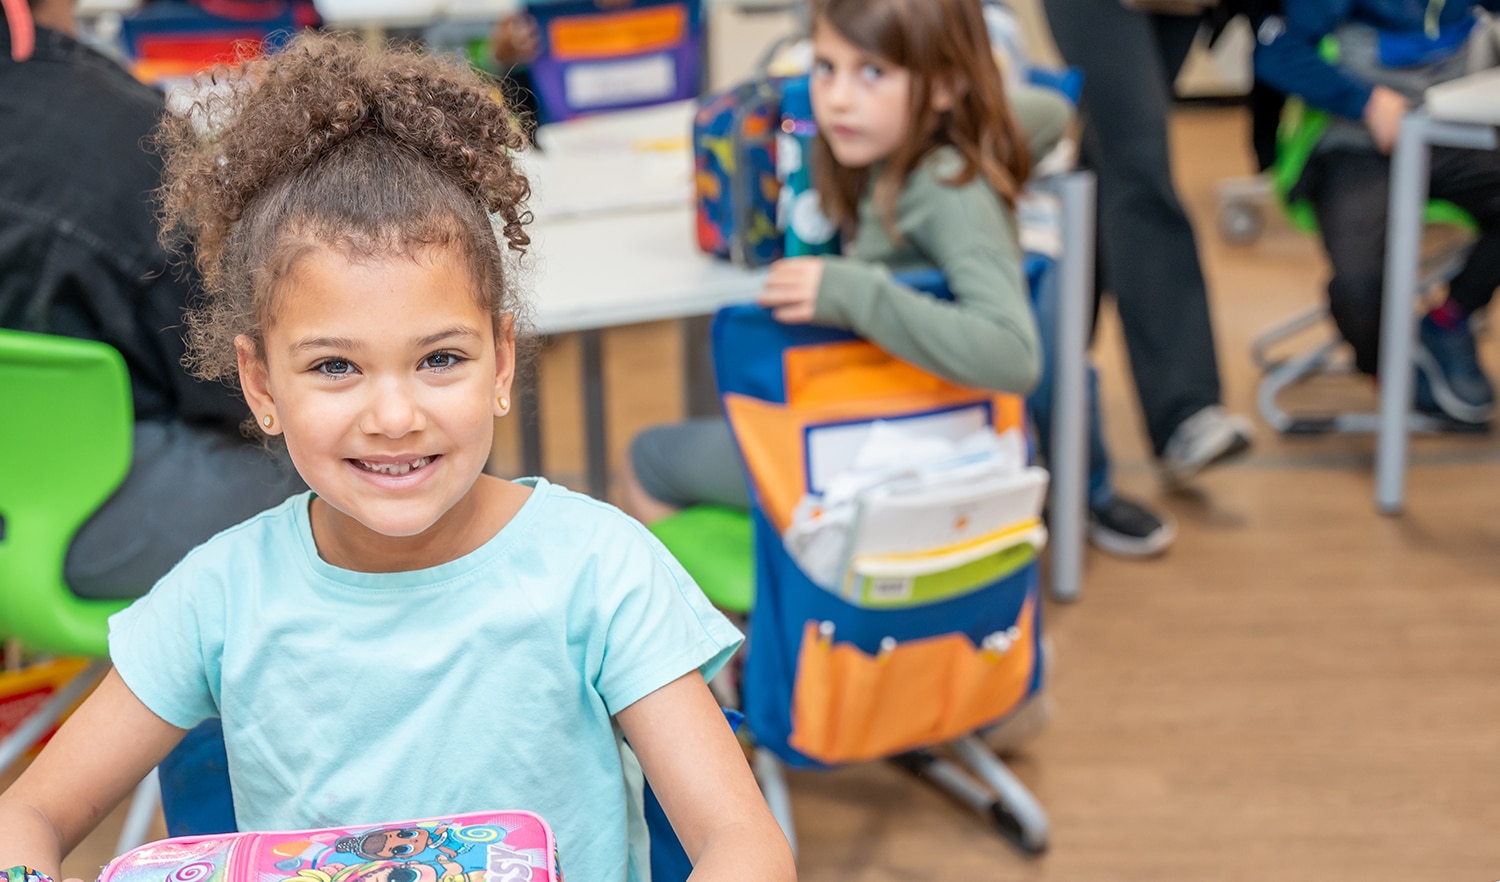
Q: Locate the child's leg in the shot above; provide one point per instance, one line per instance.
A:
(1349, 190)
(1117, 525)
(1471, 180)
(1040, 401)
(682, 464)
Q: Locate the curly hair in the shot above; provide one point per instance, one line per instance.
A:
(331, 144)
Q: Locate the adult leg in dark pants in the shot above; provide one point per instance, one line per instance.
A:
(1146, 252)
(1350, 191)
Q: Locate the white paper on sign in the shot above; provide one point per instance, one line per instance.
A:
(606, 83)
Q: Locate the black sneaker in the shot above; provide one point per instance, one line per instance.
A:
(1129, 529)
(1449, 361)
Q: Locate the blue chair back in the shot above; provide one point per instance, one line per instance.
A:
(827, 679)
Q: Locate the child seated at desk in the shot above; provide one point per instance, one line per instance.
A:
(1389, 52)
(934, 188)
(413, 638)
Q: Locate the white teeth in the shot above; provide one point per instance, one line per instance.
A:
(394, 468)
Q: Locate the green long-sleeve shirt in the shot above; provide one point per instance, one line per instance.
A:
(986, 336)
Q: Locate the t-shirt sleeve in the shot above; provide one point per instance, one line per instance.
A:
(656, 624)
(161, 647)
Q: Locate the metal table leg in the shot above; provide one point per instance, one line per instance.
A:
(1410, 165)
(700, 392)
(591, 345)
(1070, 387)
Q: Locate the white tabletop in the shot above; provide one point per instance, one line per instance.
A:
(1471, 99)
(613, 242)
(618, 269)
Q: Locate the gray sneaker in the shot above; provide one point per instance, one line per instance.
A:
(1206, 438)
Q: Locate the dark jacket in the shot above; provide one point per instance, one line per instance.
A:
(78, 249)
(1413, 34)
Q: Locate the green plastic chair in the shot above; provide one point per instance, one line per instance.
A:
(1297, 135)
(713, 544)
(66, 433)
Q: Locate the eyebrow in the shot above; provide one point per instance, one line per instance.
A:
(346, 344)
(322, 343)
(460, 331)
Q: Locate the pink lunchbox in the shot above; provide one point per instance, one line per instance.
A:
(504, 846)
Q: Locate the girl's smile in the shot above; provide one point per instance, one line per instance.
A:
(384, 375)
(397, 467)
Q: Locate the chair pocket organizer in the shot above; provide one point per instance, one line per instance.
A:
(849, 704)
(500, 846)
(914, 619)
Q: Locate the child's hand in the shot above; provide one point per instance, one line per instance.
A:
(515, 39)
(791, 291)
(1383, 113)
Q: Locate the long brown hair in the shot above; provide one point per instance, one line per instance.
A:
(943, 44)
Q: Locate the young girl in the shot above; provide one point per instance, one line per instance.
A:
(412, 638)
(919, 160)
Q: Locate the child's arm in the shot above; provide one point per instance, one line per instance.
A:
(95, 759)
(1288, 60)
(985, 337)
(699, 774)
(1043, 115)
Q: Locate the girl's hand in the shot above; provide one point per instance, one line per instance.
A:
(791, 291)
(515, 39)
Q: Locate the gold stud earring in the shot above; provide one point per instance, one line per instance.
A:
(504, 403)
(267, 421)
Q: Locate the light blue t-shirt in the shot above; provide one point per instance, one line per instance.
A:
(488, 682)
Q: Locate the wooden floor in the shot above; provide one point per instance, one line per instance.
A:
(1300, 690)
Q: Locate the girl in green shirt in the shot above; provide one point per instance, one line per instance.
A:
(920, 156)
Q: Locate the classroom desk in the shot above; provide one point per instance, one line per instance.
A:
(614, 245)
(1410, 169)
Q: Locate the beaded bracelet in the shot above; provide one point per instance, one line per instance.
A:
(26, 874)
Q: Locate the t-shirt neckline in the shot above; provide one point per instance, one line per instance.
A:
(480, 558)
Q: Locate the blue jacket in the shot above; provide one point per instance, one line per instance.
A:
(1286, 52)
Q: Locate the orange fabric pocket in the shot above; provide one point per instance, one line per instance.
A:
(848, 705)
